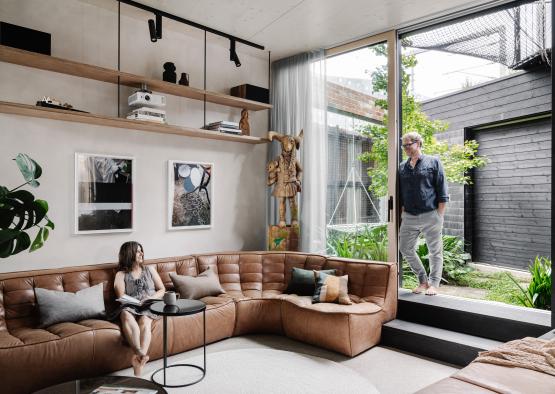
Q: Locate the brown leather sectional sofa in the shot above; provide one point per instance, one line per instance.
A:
(481, 378)
(32, 358)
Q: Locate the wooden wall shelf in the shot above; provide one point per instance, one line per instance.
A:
(80, 117)
(50, 63)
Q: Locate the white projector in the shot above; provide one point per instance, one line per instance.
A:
(145, 113)
(146, 98)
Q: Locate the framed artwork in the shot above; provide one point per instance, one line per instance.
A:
(190, 195)
(103, 193)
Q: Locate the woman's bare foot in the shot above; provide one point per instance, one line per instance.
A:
(431, 290)
(144, 359)
(136, 363)
(421, 287)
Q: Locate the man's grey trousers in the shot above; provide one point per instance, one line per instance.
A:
(430, 225)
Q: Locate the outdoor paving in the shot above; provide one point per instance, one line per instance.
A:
(467, 292)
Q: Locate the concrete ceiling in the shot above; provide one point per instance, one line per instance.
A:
(287, 27)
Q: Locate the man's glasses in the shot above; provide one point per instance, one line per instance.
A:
(409, 144)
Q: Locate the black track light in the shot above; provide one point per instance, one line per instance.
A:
(155, 28)
(233, 55)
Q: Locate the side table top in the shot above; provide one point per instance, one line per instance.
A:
(88, 386)
(183, 307)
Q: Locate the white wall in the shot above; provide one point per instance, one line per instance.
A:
(87, 32)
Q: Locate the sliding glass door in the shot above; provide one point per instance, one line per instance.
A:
(362, 149)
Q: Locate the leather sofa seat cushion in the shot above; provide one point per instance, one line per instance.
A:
(186, 332)
(347, 329)
(259, 315)
(502, 379)
(28, 336)
(361, 308)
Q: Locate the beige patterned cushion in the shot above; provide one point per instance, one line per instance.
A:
(330, 288)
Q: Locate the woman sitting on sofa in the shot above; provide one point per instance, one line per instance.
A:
(142, 283)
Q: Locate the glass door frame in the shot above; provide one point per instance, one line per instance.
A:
(391, 39)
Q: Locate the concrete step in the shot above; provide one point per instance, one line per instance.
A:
(486, 319)
(444, 345)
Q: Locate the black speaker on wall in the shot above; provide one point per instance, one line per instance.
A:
(24, 38)
(251, 92)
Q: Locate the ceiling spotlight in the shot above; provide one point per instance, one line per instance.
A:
(233, 55)
(155, 28)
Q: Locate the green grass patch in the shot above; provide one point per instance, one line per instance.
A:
(498, 285)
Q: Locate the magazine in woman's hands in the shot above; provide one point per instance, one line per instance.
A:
(127, 300)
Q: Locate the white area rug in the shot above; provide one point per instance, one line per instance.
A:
(257, 371)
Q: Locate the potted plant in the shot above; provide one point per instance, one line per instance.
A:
(20, 212)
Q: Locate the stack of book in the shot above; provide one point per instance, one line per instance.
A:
(225, 127)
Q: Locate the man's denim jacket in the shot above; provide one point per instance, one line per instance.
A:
(424, 186)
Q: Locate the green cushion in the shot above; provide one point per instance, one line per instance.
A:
(302, 281)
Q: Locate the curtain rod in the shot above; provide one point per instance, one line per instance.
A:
(188, 22)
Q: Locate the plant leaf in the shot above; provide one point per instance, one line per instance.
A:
(29, 168)
(45, 234)
(7, 215)
(6, 248)
(3, 192)
(22, 195)
(41, 208)
(49, 223)
(38, 242)
(8, 235)
(23, 242)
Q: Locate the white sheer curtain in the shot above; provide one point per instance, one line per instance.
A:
(299, 99)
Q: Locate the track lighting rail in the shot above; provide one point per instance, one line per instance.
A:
(176, 18)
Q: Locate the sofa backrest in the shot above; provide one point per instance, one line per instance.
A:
(17, 296)
(248, 273)
(254, 272)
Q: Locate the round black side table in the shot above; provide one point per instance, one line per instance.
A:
(88, 386)
(182, 308)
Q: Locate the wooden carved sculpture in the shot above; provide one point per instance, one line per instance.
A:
(285, 173)
(244, 122)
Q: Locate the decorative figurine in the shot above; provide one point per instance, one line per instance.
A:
(272, 169)
(287, 175)
(184, 79)
(169, 72)
(244, 122)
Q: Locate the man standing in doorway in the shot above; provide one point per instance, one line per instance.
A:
(423, 201)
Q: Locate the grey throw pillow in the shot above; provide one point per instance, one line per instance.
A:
(60, 306)
(196, 287)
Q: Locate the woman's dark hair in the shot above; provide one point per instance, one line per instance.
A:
(128, 255)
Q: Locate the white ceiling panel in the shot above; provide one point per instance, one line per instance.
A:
(287, 27)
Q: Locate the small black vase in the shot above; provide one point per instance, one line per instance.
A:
(169, 74)
(184, 79)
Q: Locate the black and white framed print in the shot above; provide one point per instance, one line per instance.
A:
(103, 193)
(190, 195)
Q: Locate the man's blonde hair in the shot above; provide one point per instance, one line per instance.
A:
(413, 136)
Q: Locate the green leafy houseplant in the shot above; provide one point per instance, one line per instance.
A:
(20, 211)
(538, 293)
(368, 244)
(454, 256)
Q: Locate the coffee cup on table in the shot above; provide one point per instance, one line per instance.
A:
(170, 297)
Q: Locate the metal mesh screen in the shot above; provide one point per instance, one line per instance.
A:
(516, 36)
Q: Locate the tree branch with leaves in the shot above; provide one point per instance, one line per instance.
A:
(457, 159)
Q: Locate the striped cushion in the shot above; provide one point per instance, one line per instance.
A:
(330, 288)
